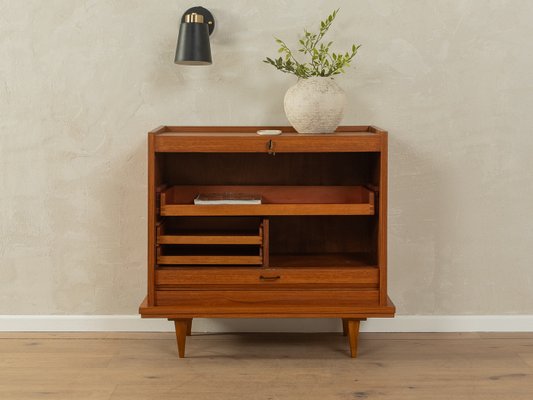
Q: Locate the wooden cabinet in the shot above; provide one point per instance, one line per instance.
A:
(316, 246)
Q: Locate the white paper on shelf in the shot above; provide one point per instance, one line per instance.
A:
(226, 198)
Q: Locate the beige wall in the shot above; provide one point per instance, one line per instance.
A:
(82, 81)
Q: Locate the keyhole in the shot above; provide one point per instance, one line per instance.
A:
(270, 147)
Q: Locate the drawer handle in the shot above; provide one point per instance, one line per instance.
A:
(269, 278)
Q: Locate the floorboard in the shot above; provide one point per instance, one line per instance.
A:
(266, 366)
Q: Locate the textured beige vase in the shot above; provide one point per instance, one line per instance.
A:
(315, 105)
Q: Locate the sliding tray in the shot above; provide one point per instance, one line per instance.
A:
(212, 241)
(276, 200)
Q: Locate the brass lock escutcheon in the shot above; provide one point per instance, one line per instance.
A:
(270, 148)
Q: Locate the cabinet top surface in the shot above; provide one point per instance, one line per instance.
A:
(245, 139)
(184, 131)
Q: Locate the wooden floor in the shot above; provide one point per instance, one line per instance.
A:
(266, 366)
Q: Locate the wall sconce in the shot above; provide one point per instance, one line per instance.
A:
(193, 48)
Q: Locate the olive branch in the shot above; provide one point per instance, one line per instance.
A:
(323, 63)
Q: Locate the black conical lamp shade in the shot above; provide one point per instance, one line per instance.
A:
(193, 41)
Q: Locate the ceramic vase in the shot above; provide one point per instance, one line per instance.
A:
(315, 105)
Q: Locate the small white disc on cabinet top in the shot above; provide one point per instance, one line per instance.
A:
(269, 132)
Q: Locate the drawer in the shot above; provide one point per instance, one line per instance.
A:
(244, 143)
(265, 301)
(363, 277)
(250, 143)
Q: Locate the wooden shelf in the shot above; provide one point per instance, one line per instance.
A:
(224, 241)
(209, 255)
(210, 260)
(321, 260)
(210, 235)
(218, 238)
(276, 200)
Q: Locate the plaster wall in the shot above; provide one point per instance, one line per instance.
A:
(81, 82)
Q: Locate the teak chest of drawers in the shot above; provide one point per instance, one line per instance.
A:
(316, 246)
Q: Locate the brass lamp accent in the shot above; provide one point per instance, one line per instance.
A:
(194, 18)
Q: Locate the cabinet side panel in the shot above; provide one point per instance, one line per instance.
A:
(382, 237)
(153, 177)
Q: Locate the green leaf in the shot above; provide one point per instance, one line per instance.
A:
(321, 63)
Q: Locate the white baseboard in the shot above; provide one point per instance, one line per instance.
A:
(133, 323)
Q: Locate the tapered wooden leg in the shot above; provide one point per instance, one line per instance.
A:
(181, 334)
(353, 335)
(189, 327)
(344, 326)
